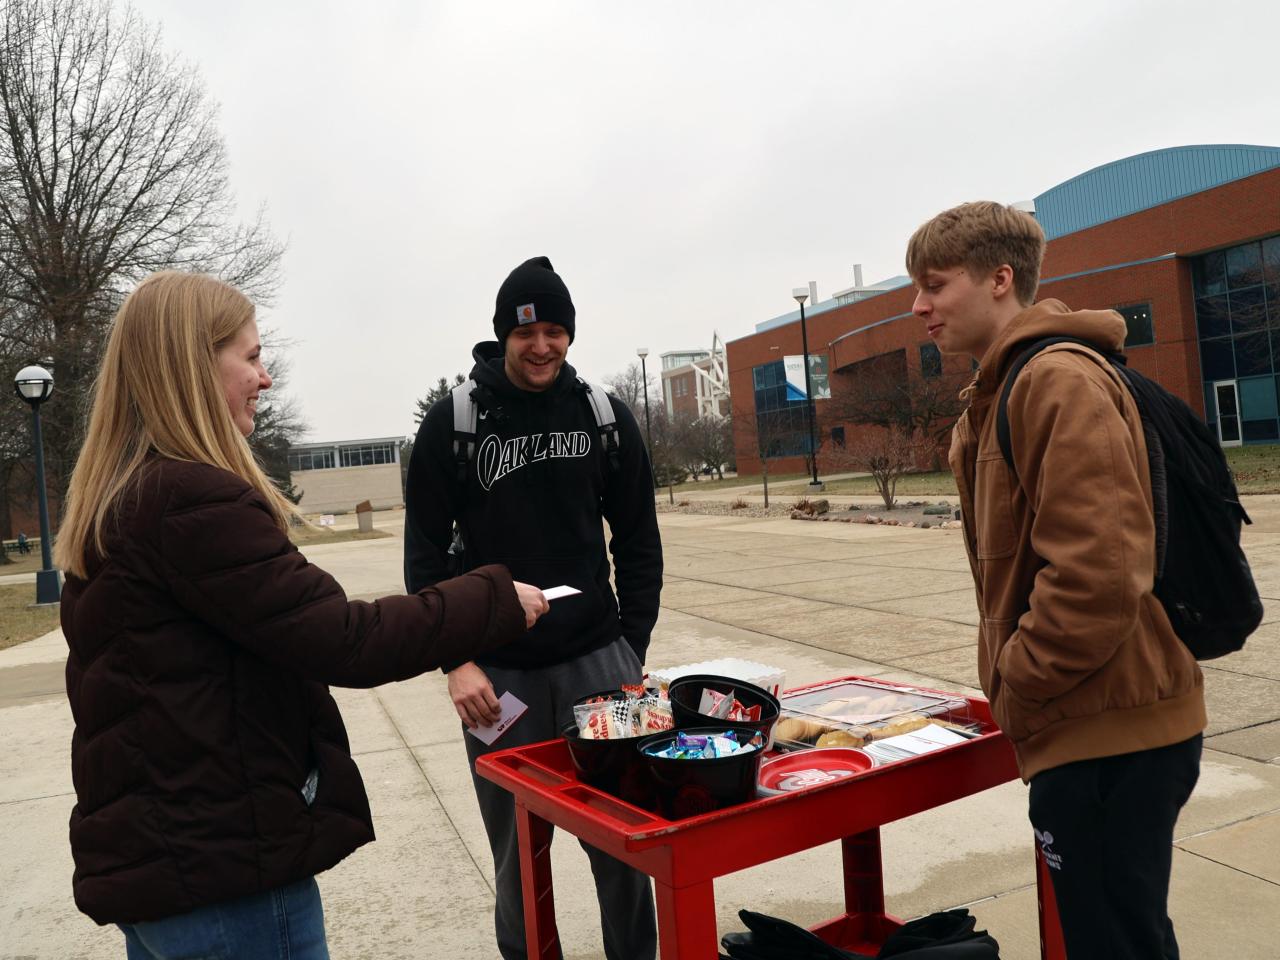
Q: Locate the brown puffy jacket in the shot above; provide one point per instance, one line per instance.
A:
(199, 656)
(1075, 652)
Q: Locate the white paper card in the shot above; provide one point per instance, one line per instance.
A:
(924, 740)
(511, 711)
(555, 593)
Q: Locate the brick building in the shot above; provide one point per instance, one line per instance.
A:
(1184, 242)
(694, 382)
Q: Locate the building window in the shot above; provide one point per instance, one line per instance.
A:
(837, 436)
(930, 361)
(1237, 308)
(367, 454)
(781, 425)
(1137, 321)
(311, 459)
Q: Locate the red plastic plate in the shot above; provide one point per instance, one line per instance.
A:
(810, 768)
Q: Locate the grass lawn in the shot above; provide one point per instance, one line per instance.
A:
(1257, 469)
(19, 621)
(29, 563)
(707, 484)
(941, 484)
(314, 535)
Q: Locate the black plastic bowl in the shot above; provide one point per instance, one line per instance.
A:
(686, 693)
(613, 766)
(686, 788)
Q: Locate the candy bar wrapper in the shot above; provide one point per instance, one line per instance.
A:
(715, 704)
(655, 715)
(626, 717)
(743, 713)
(595, 720)
(633, 690)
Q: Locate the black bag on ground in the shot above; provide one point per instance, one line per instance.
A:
(1202, 577)
(949, 935)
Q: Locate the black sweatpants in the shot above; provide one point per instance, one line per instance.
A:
(1105, 828)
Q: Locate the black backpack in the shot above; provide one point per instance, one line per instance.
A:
(1202, 577)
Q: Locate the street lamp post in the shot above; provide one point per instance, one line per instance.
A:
(643, 352)
(801, 294)
(34, 385)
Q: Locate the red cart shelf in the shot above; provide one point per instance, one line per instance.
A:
(685, 856)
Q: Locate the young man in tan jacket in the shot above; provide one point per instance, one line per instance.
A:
(1103, 702)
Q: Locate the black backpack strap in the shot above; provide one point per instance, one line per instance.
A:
(1002, 407)
(606, 423)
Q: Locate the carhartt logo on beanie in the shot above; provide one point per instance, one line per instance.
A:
(531, 293)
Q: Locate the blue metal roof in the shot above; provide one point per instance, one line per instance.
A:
(1147, 180)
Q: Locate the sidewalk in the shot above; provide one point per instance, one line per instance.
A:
(815, 599)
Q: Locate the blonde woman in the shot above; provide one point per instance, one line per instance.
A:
(212, 772)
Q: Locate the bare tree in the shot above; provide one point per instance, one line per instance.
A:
(668, 468)
(629, 387)
(885, 452)
(704, 443)
(881, 392)
(111, 167)
(776, 438)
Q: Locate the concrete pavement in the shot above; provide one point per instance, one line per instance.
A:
(815, 599)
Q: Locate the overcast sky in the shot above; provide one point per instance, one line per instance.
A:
(684, 165)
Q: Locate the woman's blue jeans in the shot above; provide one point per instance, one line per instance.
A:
(282, 924)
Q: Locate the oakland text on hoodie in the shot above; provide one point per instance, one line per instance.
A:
(534, 499)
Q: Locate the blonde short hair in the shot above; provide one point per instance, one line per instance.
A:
(158, 392)
(981, 237)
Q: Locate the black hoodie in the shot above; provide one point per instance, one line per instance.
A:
(534, 498)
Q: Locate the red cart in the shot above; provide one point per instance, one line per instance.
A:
(684, 856)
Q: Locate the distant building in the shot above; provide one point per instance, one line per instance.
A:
(1184, 243)
(334, 477)
(695, 383)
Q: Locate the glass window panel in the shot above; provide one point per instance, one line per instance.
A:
(1248, 310)
(1253, 354)
(1137, 321)
(1216, 360)
(1261, 430)
(1208, 274)
(1228, 401)
(1244, 265)
(930, 361)
(1272, 291)
(1258, 398)
(1271, 258)
(1213, 318)
(1210, 407)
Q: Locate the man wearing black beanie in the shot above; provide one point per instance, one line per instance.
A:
(530, 486)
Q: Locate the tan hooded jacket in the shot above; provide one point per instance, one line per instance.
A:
(1075, 653)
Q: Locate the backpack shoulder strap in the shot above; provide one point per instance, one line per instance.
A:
(1002, 406)
(466, 413)
(598, 399)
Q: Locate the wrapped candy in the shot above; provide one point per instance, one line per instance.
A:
(688, 746)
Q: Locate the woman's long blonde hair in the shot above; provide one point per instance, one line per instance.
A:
(158, 391)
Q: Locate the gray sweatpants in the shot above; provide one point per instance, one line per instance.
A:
(626, 897)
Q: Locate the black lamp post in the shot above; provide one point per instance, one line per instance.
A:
(643, 352)
(801, 294)
(34, 385)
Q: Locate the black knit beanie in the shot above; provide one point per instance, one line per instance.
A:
(532, 291)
